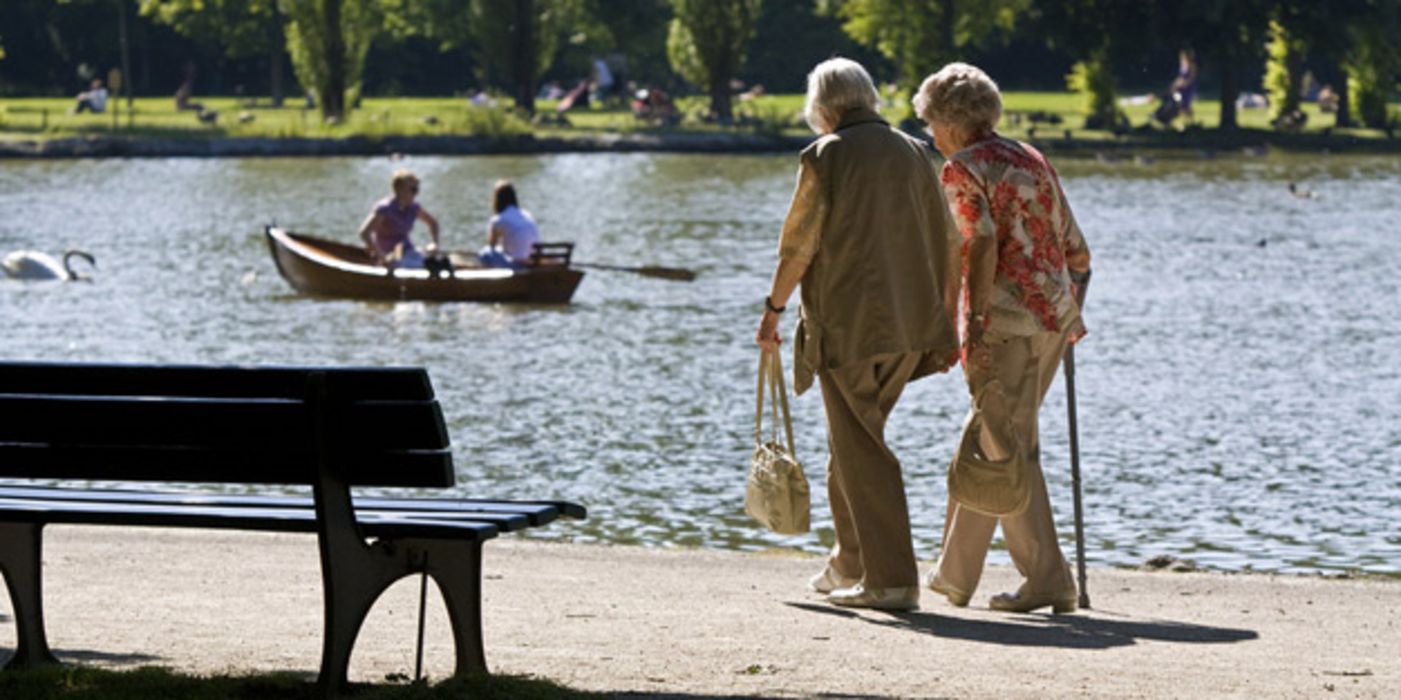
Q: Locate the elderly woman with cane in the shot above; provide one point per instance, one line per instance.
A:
(1023, 260)
(870, 238)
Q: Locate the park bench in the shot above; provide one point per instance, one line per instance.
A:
(327, 428)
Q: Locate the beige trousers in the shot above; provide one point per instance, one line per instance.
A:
(864, 484)
(1011, 392)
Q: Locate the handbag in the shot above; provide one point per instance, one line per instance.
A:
(776, 493)
(998, 488)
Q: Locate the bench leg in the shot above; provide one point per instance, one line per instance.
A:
(21, 561)
(457, 569)
(352, 587)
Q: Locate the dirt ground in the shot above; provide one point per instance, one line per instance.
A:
(702, 623)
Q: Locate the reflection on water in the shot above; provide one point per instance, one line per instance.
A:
(1239, 389)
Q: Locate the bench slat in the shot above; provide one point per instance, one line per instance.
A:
(509, 516)
(383, 383)
(270, 519)
(399, 468)
(271, 425)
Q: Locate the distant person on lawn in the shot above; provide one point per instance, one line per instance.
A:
(386, 230)
(94, 99)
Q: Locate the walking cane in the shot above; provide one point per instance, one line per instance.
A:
(1081, 283)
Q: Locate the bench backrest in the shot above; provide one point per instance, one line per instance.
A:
(256, 425)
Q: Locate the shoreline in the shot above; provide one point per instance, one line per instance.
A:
(1200, 143)
(693, 622)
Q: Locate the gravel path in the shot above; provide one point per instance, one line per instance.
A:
(700, 623)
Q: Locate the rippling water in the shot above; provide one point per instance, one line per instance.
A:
(1240, 391)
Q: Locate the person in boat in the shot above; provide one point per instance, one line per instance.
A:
(1024, 261)
(511, 232)
(386, 230)
(870, 239)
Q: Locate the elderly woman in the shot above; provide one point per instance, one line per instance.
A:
(386, 230)
(1023, 261)
(870, 238)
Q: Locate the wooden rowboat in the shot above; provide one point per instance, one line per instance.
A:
(327, 268)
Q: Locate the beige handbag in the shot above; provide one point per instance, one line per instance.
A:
(777, 494)
(993, 487)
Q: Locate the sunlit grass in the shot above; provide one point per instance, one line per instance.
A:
(45, 118)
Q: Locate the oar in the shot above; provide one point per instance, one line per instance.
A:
(678, 274)
(1075, 458)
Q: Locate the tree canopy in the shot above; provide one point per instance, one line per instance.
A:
(706, 44)
(342, 48)
(919, 36)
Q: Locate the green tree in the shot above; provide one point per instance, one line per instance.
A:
(1093, 77)
(514, 41)
(243, 28)
(328, 40)
(1371, 74)
(1225, 34)
(1098, 34)
(706, 45)
(1283, 70)
(920, 36)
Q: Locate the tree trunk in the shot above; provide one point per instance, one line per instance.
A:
(276, 46)
(720, 97)
(1229, 91)
(524, 44)
(333, 90)
(126, 52)
(947, 20)
(1343, 118)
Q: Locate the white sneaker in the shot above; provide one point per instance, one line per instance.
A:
(902, 598)
(829, 580)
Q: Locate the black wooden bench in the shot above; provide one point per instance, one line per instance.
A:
(328, 428)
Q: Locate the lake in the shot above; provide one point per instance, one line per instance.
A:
(1240, 389)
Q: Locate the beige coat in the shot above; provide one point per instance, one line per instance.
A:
(884, 273)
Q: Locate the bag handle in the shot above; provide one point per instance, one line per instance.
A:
(771, 369)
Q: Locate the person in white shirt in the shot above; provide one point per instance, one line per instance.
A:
(93, 100)
(511, 233)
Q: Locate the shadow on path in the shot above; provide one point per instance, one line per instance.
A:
(87, 655)
(1064, 631)
(639, 695)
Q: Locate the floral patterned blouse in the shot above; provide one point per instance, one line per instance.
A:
(1005, 193)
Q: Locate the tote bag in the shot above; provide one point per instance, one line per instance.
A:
(777, 493)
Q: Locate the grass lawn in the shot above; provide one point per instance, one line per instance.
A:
(79, 683)
(43, 118)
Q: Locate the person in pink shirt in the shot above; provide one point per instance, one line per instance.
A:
(386, 230)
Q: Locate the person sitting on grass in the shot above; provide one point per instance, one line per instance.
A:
(386, 230)
(511, 232)
(92, 100)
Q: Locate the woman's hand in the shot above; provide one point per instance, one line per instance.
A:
(768, 337)
(977, 356)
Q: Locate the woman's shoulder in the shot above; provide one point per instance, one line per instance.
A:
(383, 205)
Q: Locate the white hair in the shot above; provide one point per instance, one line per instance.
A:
(835, 87)
(961, 96)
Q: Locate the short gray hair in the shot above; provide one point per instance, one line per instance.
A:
(837, 86)
(962, 96)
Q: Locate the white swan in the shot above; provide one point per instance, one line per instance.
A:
(34, 265)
